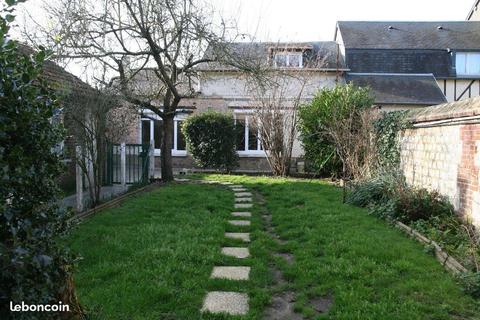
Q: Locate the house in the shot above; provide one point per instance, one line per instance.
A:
(72, 90)
(448, 51)
(225, 88)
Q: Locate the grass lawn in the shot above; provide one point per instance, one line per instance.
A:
(152, 257)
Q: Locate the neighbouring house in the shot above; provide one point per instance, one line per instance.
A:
(225, 88)
(394, 92)
(448, 51)
(70, 88)
(474, 14)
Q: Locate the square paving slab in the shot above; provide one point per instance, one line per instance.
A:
(239, 189)
(245, 236)
(243, 194)
(233, 303)
(243, 205)
(240, 253)
(241, 214)
(235, 186)
(243, 200)
(231, 273)
(239, 222)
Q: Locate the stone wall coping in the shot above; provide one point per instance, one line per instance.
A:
(452, 110)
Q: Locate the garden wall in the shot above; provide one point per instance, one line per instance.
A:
(441, 152)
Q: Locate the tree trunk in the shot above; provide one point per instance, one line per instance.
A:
(166, 156)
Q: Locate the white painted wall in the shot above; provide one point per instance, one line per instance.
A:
(449, 88)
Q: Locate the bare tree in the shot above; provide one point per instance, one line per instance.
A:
(276, 114)
(278, 92)
(148, 48)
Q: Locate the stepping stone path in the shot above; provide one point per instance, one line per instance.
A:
(238, 235)
(243, 205)
(241, 214)
(240, 253)
(233, 303)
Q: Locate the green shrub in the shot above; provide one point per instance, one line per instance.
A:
(35, 267)
(388, 196)
(328, 105)
(375, 191)
(420, 204)
(211, 138)
(470, 282)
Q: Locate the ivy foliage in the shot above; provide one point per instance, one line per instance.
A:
(387, 133)
(328, 105)
(35, 268)
(211, 140)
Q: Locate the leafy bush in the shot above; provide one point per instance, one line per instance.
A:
(211, 138)
(375, 191)
(420, 204)
(471, 283)
(327, 107)
(35, 267)
(389, 196)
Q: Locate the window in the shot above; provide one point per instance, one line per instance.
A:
(468, 63)
(288, 59)
(248, 140)
(154, 128)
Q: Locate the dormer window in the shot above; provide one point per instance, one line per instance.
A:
(288, 59)
(467, 63)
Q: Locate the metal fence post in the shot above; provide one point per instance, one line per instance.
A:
(123, 165)
(151, 161)
(79, 181)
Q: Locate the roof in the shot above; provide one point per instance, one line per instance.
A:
(438, 62)
(453, 110)
(439, 35)
(400, 89)
(320, 55)
(474, 7)
(58, 77)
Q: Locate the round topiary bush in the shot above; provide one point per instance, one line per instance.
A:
(211, 140)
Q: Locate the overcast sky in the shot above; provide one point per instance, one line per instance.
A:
(309, 20)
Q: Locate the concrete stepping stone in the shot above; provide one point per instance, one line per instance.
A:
(231, 273)
(243, 200)
(243, 194)
(240, 253)
(239, 189)
(243, 205)
(245, 236)
(234, 186)
(239, 222)
(232, 303)
(242, 214)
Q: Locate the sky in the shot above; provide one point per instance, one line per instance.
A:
(313, 20)
(309, 20)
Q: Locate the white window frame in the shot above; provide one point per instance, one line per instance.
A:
(259, 152)
(466, 55)
(151, 116)
(288, 54)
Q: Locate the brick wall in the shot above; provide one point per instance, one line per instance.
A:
(442, 152)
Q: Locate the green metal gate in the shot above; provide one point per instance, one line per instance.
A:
(136, 164)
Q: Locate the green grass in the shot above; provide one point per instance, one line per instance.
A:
(372, 270)
(152, 257)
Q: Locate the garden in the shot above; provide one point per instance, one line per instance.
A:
(323, 246)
